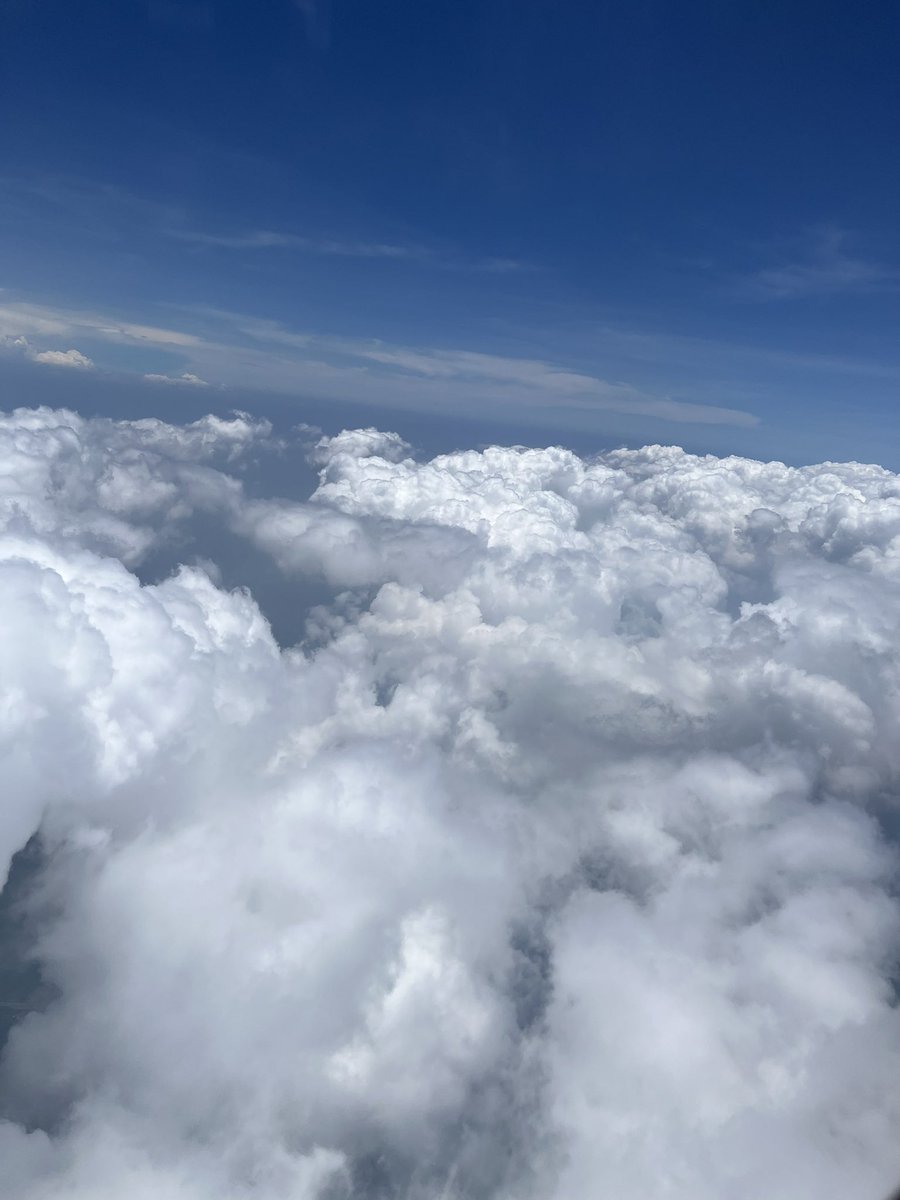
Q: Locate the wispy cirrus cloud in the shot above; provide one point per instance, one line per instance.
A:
(575, 388)
(822, 264)
(21, 319)
(703, 355)
(458, 376)
(233, 349)
(109, 211)
(268, 239)
(331, 247)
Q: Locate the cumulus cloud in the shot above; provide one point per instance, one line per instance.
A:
(17, 343)
(558, 860)
(62, 358)
(118, 488)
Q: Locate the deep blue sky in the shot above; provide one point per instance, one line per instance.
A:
(584, 217)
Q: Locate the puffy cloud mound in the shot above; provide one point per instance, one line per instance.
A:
(558, 860)
(63, 358)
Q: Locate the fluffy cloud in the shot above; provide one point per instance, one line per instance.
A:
(115, 487)
(15, 342)
(558, 860)
(63, 358)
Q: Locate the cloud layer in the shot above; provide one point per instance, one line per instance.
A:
(231, 349)
(558, 860)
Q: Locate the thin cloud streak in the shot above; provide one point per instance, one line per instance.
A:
(329, 247)
(495, 375)
(267, 239)
(185, 379)
(22, 319)
(828, 268)
(697, 352)
(106, 210)
(242, 351)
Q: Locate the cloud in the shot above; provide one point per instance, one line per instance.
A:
(185, 378)
(116, 488)
(467, 380)
(15, 342)
(246, 351)
(329, 247)
(141, 333)
(21, 320)
(827, 268)
(267, 239)
(62, 358)
(558, 860)
(558, 384)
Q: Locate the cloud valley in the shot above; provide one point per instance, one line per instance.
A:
(557, 859)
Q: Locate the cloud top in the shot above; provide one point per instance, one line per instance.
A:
(558, 859)
(63, 358)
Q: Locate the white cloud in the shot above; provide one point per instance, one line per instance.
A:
(252, 352)
(555, 863)
(466, 380)
(187, 377)
(62, 358)
(115, 488)
(22, 320)
(556, 384)
(17, 343)
(128, 332)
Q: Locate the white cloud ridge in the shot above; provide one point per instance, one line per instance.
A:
(557, 861)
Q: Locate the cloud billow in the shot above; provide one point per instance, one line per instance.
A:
(557, 860)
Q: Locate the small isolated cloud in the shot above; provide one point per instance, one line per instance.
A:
(62, 358)
(186, 378)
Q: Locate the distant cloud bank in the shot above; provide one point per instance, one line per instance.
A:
(558, 861)
(239, 350)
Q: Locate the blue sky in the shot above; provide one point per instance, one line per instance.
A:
(641, 222)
